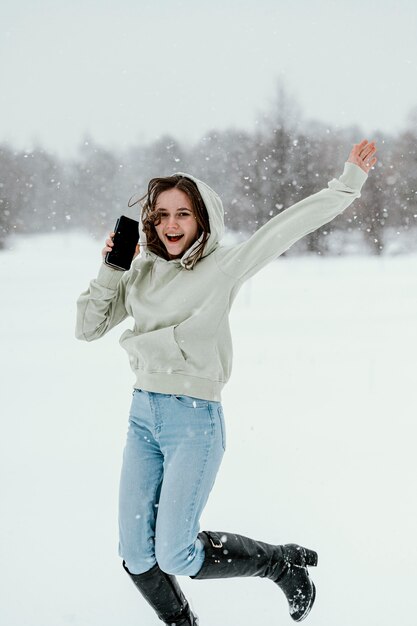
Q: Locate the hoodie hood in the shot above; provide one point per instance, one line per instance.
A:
(215, 212)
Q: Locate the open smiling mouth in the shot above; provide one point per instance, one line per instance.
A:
(174, 238)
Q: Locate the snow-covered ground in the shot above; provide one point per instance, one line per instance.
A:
(321, 415)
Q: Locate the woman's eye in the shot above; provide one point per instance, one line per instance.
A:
(165, 215)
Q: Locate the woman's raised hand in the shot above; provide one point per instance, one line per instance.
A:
(109, 246)
(362, 154)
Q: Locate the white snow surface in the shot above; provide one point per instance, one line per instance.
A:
(321, 427)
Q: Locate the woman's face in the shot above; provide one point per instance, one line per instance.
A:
(178, 220)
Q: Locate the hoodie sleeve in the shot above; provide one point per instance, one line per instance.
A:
(102, 305)
(282, 231)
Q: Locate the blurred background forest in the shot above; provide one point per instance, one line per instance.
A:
(257, 174)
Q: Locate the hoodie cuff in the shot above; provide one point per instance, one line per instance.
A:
(108, 276)
(353, 176)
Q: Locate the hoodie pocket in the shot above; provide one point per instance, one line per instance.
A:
(156, 351)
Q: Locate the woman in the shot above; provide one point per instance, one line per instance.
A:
(179, 293)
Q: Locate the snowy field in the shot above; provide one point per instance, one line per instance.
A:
(321, 415)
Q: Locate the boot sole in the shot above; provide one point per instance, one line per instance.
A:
(310, 606)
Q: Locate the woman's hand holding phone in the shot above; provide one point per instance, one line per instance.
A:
(109, 246)
(122, 246)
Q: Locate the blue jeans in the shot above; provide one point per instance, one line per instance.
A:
(174, 448)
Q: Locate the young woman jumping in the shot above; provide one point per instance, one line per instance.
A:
(179, 293)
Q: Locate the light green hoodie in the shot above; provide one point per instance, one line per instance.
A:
(180, 342)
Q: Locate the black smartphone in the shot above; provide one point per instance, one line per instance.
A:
(126, 236)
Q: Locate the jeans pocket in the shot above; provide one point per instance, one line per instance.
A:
(191, 402)
(222, 426)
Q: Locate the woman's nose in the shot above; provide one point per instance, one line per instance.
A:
(172, 221)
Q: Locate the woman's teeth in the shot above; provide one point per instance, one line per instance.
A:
(174, 238)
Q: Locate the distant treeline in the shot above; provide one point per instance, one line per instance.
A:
(257, 174)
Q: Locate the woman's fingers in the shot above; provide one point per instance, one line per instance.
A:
(368, 156)
(367, 152)
(109, 245)
(364, 147)
(362, 154)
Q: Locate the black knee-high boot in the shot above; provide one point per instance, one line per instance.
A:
(228, 555)
(164, 594)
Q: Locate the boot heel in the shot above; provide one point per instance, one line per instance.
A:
(311, 557)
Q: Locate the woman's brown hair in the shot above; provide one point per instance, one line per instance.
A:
(151, 218)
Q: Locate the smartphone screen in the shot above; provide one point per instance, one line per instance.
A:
(126, 236)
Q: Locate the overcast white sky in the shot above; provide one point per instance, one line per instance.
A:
(127, 71)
